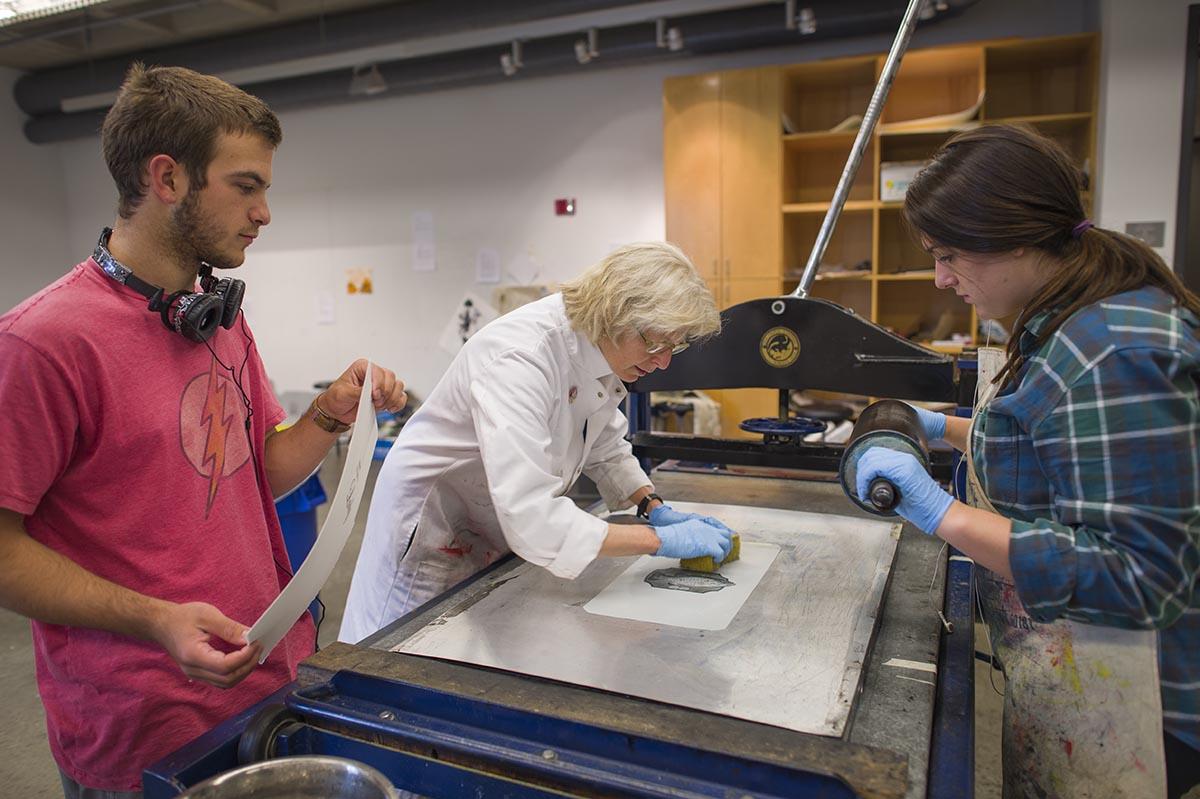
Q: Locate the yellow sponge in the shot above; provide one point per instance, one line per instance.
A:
(705, 564)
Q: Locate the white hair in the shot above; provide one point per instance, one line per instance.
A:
(649, 288)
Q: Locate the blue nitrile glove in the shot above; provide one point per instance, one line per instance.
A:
(664, 514)
(922, 501)
(932, 422)
(693, 538)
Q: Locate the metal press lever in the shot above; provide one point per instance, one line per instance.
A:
(882, 494)
(886, 78)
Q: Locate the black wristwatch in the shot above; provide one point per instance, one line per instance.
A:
(644, 505)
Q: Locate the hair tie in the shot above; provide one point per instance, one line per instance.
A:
(1078, 230)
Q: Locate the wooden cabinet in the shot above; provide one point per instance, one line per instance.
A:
(692, 169)
(752, 159)
(721, 168)
(750, 162)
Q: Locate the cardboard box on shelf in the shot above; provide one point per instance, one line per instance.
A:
(894, 177)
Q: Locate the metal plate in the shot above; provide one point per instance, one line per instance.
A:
(793, 657)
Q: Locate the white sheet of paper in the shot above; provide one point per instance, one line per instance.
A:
(424, 248)
(422, 223)
(298, 594)
(523, 269)
(326, 308)
(631, 597)
(487, 265)
(471, 314)
(424, 257)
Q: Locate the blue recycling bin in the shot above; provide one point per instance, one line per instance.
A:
(298, 517)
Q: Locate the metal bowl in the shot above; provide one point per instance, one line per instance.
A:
(303, 777)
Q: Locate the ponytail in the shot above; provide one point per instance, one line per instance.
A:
(1097, 264)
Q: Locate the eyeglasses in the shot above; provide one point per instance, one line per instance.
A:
(655, 349)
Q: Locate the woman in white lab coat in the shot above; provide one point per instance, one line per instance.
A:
(530, 403)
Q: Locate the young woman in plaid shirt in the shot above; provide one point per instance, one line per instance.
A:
(1085, 458)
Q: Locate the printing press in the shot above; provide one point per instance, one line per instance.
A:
(526, 719)
(845, 668)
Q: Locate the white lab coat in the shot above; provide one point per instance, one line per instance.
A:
(482, 467)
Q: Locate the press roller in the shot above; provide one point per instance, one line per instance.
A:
(887, 423)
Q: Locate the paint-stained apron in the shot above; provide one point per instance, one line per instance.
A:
(1082, 704)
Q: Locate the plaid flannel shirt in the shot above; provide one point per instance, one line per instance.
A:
(1095, 456)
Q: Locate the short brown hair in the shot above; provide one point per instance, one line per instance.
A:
(180, 113)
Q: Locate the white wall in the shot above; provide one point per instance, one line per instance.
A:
(488, 162)
(1143, 61)
(32, 208)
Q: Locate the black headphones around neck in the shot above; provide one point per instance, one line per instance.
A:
(194, 315)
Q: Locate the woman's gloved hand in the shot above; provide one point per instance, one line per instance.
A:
(664, 514)
(693, 538)
(922, 501)
(932, 422)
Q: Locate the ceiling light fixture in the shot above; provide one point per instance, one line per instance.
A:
(807, 23)
(510, 62)
(16, 11)
(803, 22)
(587, 49)
(366, 80)
(667, 38)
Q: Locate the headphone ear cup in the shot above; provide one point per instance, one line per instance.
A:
(232, 296)
(198, 315)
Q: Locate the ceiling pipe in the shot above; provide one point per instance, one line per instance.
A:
(43, 92)
(722, 31)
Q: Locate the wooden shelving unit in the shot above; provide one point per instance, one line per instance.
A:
(752, 159)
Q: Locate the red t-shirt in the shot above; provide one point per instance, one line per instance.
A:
(124, 446)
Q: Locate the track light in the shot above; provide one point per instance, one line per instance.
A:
(807, 23)
(510, 62)
(367, 80)
(804, 22)
(668, 38)
(587, 49)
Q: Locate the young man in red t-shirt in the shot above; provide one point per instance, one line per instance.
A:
(138, 465)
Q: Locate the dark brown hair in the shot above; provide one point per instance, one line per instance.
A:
(996, 188)
(180, 113)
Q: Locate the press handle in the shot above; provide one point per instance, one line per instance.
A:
(882, 494)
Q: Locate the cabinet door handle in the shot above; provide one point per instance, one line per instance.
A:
(726, 268)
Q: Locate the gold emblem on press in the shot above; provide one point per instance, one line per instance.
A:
(779, 347)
